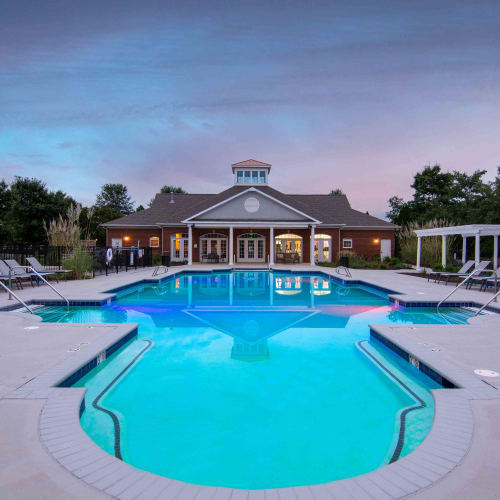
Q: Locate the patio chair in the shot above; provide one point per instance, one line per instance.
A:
(464, 271)
(35, 264)
(492, 278)
(478, 274)
(16, 275)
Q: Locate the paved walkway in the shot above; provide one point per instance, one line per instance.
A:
(28, 471)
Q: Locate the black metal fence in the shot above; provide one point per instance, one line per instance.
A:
(100, 260)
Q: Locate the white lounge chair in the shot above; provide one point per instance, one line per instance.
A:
(464, 271)
(35, 264)
(484, 281)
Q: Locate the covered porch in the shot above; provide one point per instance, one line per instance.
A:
(476, 231)
(243, 244)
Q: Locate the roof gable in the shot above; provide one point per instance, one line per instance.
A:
(252, 204)
(251, 163)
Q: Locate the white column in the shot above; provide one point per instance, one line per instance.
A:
(190, 245)
(464, 249)
(495, 251)
(477, 250)
(419, 251)
(313, 228)
(443, 251)
(271, 246)
(231, 260)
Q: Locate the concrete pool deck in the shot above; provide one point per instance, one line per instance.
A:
(39, 423)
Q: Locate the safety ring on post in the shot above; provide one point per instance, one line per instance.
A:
(109, 255)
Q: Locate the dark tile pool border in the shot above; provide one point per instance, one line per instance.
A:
(421, 366)
(74, 377)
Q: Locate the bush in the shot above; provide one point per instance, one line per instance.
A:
(80, 262)
(438, 267)
(156, 259)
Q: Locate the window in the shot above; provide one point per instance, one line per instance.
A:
(347, 243)
(247, 176)
(154, 242)
(255, 178)
(262, 177)
(239, 177)
(116, 242)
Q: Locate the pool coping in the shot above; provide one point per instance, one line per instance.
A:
(65, 440)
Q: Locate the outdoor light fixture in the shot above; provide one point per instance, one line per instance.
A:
(376, 241)
(127, 238)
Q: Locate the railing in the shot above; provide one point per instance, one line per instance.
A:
(471, 275)
(494, 298)
(11, 293)
(36, 273)
(345, 269)
(160, 270)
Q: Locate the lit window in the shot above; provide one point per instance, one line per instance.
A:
(347, 243)
(154, 242)
(262, 178)
(239, 177)
(247, 176)
(254, 176)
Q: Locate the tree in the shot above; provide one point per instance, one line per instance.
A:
(139, 208)
(336, 192)
(91, 219)
(31, 204)
(116, 197)
(5, 200)
(172, 189)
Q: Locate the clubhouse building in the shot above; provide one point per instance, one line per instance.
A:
(253, 223)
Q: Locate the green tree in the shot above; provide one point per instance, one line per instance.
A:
(116, 197)
(5, 200)
(91, 219)
(172, 189)
(31, 204)
(139, 208)
(336, 192)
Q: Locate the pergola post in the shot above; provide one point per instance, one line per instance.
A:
(464, 249)
(419, 251)
(495, 251)
(477, 249)
(443, 250)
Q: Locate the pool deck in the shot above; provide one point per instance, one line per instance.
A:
(44, 452)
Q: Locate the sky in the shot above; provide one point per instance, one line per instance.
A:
(354, 94)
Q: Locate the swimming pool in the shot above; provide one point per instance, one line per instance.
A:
(254, 380)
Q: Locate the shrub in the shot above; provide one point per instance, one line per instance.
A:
(438, 267)
(156, 259)
(80, 262)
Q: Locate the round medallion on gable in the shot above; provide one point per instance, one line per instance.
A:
(252, 204)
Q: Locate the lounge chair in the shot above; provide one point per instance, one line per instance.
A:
(463, 272)
(492, 278)
(33, 262)
(479, 273)
(16, 275)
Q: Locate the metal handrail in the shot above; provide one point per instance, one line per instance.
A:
(343, 268)
(497, 294)
(36, 273)
(21, 301)
(471, 275)
(157, 269)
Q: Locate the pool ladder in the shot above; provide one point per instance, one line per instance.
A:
(345, 272)
(471, 275)
(11, 293)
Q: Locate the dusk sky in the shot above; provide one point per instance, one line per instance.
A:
(352, 94)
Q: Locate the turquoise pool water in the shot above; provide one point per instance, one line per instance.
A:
(254, 380)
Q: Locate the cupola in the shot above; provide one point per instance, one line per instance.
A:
(251, 172)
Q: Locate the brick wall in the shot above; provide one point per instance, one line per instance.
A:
(363, 240)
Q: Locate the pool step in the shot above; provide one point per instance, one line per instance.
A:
(53, 314)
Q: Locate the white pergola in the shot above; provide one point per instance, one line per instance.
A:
(473, 230)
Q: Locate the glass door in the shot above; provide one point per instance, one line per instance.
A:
(251, 248)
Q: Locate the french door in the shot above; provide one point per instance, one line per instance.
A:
(251, 248)
(322, 248)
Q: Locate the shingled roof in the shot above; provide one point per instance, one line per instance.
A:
(330, 210)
